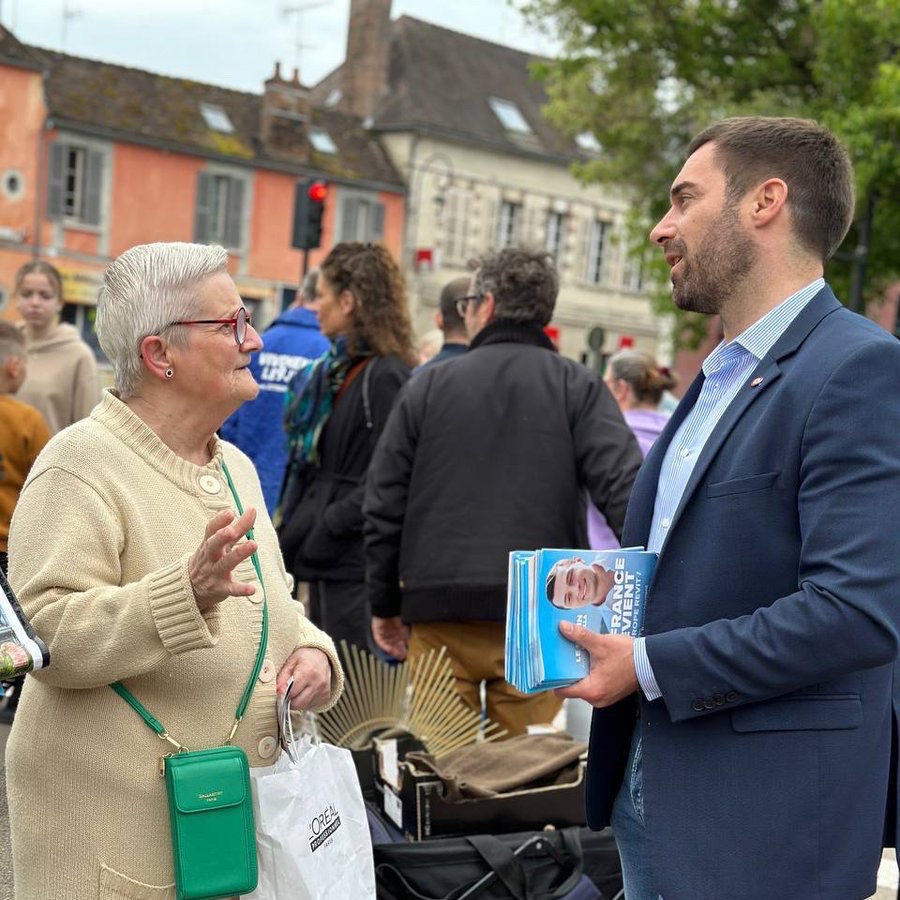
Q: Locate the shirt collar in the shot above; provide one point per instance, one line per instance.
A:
(761, 336)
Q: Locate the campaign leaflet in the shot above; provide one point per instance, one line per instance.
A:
(21, 650)
(603, 590)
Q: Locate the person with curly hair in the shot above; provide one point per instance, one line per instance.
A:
(335, 410)
(490, 453)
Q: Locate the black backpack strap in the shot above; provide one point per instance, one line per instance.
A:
(502, 862)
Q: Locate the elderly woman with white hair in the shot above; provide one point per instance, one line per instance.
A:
(142, 552)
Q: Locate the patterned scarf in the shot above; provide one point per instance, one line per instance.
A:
(308, 405)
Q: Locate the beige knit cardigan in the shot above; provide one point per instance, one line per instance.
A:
(98, 557)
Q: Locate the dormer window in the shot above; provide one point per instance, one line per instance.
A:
(321, 141)
(216, 118)
(509, 115)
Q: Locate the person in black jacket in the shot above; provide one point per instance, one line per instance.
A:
(336, 408)
(493, 452)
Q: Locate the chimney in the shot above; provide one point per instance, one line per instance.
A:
(365, 70)
(285, 114)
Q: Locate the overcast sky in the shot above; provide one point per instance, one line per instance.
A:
(235, 43)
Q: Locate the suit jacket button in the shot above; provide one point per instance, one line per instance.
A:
(720, 700)
(697, 705)
(731, 696)
(709, 703)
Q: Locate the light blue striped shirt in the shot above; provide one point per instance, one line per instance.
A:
(726, 370)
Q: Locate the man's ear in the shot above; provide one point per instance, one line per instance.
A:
(768, 201)
(347, 301)
(487, 308)
(439, 320)
(155, 355)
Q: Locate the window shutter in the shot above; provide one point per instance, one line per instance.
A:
(488, 226)
(378, 222)
(603, 251)
(93, 184)
(349, 218)
(203, 212)
(582, 257)
(532, 231)
(234, 213)
(56, 180)
(462, 227)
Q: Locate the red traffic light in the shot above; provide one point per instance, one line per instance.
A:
(317, 192)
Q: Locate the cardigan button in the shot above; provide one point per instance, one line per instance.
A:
(210, 484)
(267, 672)
(267, 747)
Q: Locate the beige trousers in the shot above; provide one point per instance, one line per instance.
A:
(475, 650)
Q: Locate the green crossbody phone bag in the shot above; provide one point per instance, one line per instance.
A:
(210, 806)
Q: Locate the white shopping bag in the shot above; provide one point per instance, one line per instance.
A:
(312, 834)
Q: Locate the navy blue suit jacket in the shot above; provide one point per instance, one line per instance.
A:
(772, 629)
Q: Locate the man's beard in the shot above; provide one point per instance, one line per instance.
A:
(722, 260)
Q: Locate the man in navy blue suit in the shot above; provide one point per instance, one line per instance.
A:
(742, 748)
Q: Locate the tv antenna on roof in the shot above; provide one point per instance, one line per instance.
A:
(298, 10)
(68, 13)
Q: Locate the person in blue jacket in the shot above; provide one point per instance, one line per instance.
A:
(291, 341)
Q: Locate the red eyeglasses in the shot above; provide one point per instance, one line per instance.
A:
(238, 322)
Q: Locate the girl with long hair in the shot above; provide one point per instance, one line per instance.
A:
(62, 381)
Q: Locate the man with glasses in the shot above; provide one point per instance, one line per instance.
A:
(450, 319)
(492, 453)
(291, 341)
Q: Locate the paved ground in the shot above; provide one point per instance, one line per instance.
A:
(887, 876)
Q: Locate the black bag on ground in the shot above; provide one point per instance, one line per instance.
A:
(544, 865)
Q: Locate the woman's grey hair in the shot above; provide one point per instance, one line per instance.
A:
(145, 289)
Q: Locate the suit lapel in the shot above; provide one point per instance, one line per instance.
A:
(762, 378)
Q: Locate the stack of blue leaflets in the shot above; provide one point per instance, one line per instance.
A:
(603, 590)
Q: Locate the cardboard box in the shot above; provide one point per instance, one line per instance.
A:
(375, 754)
(414, 801)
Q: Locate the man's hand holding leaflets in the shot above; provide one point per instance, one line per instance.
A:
(573, 614)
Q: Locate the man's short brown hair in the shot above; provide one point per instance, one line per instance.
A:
(801, 152)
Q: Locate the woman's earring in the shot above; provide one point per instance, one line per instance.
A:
(170, 372)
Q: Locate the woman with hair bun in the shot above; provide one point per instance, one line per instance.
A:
(336, 409)
(638, 383)
(62, 373)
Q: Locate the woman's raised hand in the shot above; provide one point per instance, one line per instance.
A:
(211, 566)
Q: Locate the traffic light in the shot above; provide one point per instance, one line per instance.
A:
(309, 203)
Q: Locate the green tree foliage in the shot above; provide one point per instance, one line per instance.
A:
(644, 76)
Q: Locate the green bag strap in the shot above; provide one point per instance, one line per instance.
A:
(145, 714)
